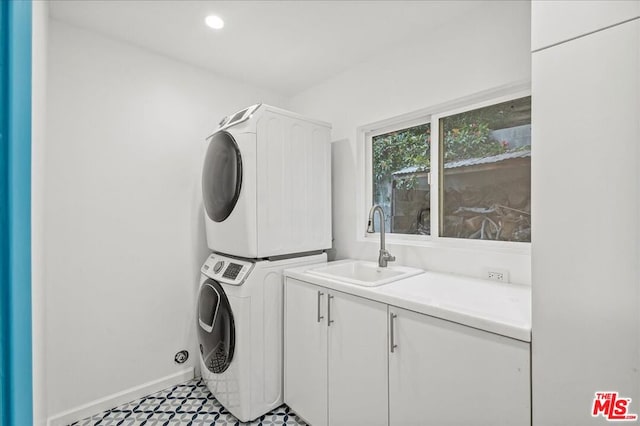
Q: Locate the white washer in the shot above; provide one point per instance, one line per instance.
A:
(266, 184)
(240, 331)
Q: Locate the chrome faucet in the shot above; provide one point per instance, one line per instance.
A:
(384, 255)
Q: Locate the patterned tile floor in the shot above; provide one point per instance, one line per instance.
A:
(190, 403)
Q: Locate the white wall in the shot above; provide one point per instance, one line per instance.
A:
(478, 52)
(123, 228)
(38, 132)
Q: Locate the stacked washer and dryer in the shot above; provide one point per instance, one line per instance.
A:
(266, 185)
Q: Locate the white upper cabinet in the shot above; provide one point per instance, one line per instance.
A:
(553, 22)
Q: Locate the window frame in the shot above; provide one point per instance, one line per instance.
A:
(430, 115)
(369, 162)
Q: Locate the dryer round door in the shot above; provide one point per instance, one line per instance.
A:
(216, 328)
(221, 176)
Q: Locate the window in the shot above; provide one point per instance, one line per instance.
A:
(400, 179)
(486, 177)
(481, 166)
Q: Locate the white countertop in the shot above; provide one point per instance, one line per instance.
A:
(495, 307)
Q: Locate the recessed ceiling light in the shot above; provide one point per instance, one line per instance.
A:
(214, 22)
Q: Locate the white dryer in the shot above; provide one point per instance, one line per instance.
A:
(240, 331)
(266, 184)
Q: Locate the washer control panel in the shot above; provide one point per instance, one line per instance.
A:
(227, 270)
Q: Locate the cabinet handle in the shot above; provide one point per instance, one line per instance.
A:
(320, 294)
(392, 343)
(329, 320)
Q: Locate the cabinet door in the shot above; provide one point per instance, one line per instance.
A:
(358, 375)
(586, 104)
(442, 373)
(305, 354)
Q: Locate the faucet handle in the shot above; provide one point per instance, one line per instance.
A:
(385, 257)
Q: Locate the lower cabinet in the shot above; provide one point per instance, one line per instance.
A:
(353, 361)
(443, 373)
(335, 356)
(305, 351)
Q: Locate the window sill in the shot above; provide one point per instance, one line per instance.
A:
(423, 241)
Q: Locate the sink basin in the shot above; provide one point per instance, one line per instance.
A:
(363, 273)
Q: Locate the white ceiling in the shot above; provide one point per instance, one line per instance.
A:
(285, 46)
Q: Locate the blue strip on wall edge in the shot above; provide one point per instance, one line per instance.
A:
(18, 357)
(4, 220)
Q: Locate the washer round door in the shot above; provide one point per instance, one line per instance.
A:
(221, 176)
(216, 328)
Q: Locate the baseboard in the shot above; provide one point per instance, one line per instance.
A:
(111, 401)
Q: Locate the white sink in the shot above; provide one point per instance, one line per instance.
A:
(363, 273)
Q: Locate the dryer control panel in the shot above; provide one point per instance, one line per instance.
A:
(227, 270)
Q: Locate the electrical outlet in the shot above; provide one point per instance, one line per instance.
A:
(495, 274)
